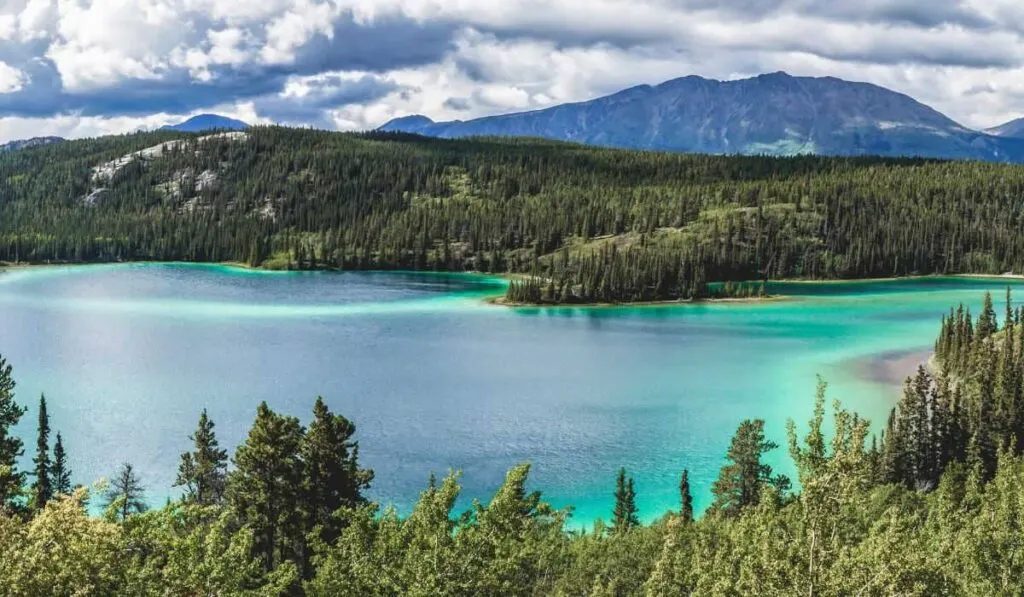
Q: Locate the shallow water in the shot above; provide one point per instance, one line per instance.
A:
(436, 379)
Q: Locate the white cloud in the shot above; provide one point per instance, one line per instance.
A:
(963, 57)
(291, 30)
(11, 79)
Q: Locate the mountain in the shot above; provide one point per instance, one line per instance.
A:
(28, 143)
(206, 122)
(1013, 129)
(775, 114)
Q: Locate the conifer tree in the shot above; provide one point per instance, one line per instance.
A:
(265, 487)
(203, 472)
(332, 478)
(624, 517)
(685, 497)
(740, 482)
(11, 447)
(987, 320)
(42, 490)
(60, 473)
(126, 495)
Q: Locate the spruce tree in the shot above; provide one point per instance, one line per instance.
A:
(60, 473)
(264, 490)
(624, 517)
(42, 490)
(126, 495)
(332, 478)
(203, 472)
(741, 481)
(11, 447)
(685, 497)
(987, 320)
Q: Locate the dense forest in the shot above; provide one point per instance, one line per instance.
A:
(588, 224)
(933, 506)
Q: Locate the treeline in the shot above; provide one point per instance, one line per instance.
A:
(934, 508)
(968, 410)
(290, 198)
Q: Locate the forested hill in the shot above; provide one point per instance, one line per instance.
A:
(610, 224)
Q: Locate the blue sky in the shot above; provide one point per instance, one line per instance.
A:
(87, 67)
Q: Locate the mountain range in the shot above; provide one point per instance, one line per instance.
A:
(774, 114)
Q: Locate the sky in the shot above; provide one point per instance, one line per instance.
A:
(79, 68)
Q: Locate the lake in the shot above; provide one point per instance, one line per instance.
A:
(436, 379)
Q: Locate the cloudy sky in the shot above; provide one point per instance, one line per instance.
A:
(86, 67)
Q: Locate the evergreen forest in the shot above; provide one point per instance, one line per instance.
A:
(933, 504)
(582, 224)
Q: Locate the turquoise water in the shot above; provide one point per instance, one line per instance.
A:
(436, 379)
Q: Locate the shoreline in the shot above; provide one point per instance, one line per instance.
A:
(499, 300)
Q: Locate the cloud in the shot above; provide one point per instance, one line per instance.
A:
(11, 79)
(90, 66)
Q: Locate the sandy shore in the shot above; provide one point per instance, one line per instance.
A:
(892, 368)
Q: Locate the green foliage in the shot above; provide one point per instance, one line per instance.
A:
(203, 471)
(11, 446)
(42, 488)
(924, 512)
(331, 478)
(588, 224)
(265, 486)
(125, 495)
(685, 497)
(624, 517)
(60, 473)
(742, 482)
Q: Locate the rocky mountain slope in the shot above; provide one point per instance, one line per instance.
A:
(774, 114)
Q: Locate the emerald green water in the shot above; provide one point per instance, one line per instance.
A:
(436, 379)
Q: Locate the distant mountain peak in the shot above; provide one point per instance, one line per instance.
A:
(406, 124)
(207, 122)
(773, 113)
(1013, 129)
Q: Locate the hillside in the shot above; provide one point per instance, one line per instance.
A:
(774, 114)
(621, 225)
(19, 144)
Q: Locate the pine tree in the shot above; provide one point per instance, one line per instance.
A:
(42, 490)
(685, 497)
(11, 447)
(740, 482)
(332, 478)
(987, 320)
(203, 472)
(60, 474)
(624, 517)
(126, 495)
(265, 487)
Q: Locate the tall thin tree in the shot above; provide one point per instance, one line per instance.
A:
(685, 497)
(624, 517)
(60, 473)
(42, 490)
(203, 472)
